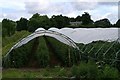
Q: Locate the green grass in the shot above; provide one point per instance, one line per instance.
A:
(35, 73)
(83, 70)
(8, 42)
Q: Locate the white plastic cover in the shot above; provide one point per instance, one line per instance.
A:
(87, 35)
(40, 32)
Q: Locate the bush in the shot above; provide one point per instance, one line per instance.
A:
(110, 72)
(42, 53)
(74, 71)
(18, 57)
(62, 72)
(8, 42)
(85, 70)
(62, 52)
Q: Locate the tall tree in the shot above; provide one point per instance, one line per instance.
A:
(104, 23)
(59, 21)
(37, 21)
(22, 24)
(8, 27)
(86, 19)
(72, 19)
(118, 23)
(78, 18)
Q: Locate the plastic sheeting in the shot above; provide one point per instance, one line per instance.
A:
(62, 38)
(69, 35)
(87, 35)
(41, 32)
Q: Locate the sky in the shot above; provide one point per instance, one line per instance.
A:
(98, 9)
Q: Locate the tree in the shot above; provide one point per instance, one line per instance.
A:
(118, 23)
(78, 18)
(103, 23)
(86, 19)
(37, 21)
(72, 19)
(8, 27)
(59, 21)
(22, 24)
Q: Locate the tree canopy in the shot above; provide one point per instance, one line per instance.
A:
(103, 23)
(86, 19)
(8, 27)
(118, 23)
(37, 21)
(58, 21)
(22, 24)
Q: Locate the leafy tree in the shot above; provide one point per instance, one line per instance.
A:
(59, 21)
(22, 24)
(8, 27)
(72, 19)
(37, 21)
(66, 20)
(86, 19)
(78, 18)
(117, 23)
(103, 23)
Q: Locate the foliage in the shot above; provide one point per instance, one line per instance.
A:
(78, 18)
(85, 70)
(37, 21)
(18, 57)
(59, 21)
(66, 54)
(103, 23)
(117, 23)
(86, 19)
(98, 51)
(8, 27)
(42, 53)
(22, 24)
(8, 42)
(110, 72)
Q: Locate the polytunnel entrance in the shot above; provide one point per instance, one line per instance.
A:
(66, 55)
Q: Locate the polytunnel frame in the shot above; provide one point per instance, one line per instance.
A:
(42, 32)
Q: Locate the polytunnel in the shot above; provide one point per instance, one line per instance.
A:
(59, 36)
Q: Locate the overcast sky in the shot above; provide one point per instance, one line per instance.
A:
(98, 9)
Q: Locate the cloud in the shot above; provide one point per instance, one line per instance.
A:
(84, 5)
(48, 7)
(44, 7)
(96, 0)
(108, 3)
(97, 9)
(32, 7)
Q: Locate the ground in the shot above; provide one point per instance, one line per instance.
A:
(36, 73)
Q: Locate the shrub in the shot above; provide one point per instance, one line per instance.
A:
(18, 57)
(62, 72)
(110, 72)
(74, 70)
(85, 70)
(62, 52)
(42, 53)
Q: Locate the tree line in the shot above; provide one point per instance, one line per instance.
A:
(58, 21)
